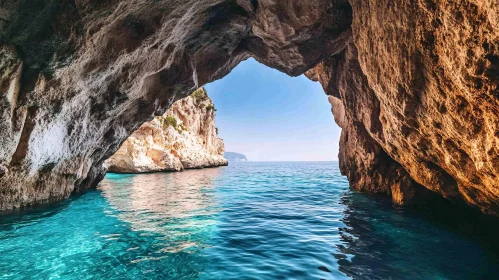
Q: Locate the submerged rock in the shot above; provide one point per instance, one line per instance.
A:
(413, 84)
(185, 137)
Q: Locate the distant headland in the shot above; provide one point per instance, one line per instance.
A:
(230, 156)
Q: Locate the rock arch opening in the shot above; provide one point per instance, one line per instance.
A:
(388, 67)
(256, 111)
(269, 116)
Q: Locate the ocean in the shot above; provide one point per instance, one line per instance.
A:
(250, 220)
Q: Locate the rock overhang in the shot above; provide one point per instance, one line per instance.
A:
(418, 113)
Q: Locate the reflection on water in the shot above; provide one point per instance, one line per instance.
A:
(175, 205)
(382, 241)
(277, 221)
(245, 221)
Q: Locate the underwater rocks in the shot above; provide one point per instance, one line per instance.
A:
(185, 137)
(414, 85)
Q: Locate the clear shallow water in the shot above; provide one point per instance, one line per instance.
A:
(245, 221)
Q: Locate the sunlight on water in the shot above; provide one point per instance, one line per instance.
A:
(175, 206)
(245, 221)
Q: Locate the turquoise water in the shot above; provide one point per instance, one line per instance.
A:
(245, 221)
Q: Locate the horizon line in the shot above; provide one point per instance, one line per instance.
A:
(286, 161)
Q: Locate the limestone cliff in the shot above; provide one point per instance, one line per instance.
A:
(185, 137)
(414, 85)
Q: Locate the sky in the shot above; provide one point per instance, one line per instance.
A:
(270, 116)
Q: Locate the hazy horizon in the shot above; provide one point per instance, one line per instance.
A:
(256, 161)
(269, 116)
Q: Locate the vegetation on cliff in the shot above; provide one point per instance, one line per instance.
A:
(192, 143)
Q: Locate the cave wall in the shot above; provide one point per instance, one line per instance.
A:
(433, 65)
(413, 84)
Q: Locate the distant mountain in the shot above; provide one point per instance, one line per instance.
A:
(230, 156)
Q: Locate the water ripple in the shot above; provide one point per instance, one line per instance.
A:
(246, 221)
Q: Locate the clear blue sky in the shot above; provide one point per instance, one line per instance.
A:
(270, 116)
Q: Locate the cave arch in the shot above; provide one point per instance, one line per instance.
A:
(386, 66)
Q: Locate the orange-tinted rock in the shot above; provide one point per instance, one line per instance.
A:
(433, 67)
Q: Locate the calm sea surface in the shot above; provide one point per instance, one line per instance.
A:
(245, 221)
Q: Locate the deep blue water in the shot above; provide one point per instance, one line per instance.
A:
(245, 221)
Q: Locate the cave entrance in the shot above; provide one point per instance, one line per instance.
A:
(255, 113)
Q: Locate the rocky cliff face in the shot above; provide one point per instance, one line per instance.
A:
(185, 137)
(413, 84)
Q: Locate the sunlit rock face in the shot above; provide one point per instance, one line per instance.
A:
(185, 137)
(362, 158)
(414, 84)
(433, 66)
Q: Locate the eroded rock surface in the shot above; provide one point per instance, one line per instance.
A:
(414, 84)
(185, 137)
(433, 66)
